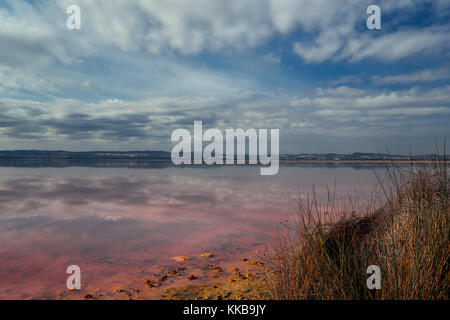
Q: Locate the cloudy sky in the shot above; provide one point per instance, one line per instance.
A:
(137, 70)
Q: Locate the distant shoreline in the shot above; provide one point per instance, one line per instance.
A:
(61, 155)
(365, 161)
(169, 160)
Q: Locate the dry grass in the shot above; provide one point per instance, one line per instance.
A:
(324, 254)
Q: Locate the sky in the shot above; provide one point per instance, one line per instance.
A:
(137, 70)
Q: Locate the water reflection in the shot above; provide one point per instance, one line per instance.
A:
(119, 224)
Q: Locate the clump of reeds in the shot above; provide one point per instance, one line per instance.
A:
(325, 252)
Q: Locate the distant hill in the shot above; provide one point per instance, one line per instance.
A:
(358, 156)
(88, 155)
(163, 155)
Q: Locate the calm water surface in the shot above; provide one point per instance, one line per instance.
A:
(123, 225)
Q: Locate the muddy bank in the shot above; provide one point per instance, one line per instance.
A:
(237, 287)
(203, 277)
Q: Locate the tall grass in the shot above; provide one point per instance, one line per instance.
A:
(325, 252)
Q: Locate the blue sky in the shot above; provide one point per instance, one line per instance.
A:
(137, 70)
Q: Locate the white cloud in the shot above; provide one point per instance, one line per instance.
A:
(412, 111)
(342, 101)
(12, 80)
(397, 45)
(33, 36)
(342, 111)
(347, 79)
(427, 75)
(36, 34)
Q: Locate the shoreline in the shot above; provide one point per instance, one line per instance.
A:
(217, 280)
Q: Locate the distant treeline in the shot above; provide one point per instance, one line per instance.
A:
(163, 155)
(88, 155)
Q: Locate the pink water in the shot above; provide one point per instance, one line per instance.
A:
(122, 225)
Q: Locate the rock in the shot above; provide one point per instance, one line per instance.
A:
(181, 268)
(89, 296)
(163, 278)
(215, 268)
(181, 258)
(253, 288)
(152, 284)
(172, 271)
(255, 263)
(206, 255)
(192, 277)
